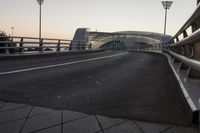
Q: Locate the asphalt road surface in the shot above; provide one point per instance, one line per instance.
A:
(119, 84)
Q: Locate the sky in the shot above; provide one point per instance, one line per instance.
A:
(61, 18)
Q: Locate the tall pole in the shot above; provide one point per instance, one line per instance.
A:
(40, 2)
(40, 17)
(12, 28)
(40, 23)
(166, 6)
(165, 25)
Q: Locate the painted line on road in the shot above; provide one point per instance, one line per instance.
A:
(62, 64)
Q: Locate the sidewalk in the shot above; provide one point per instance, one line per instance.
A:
(20, 118)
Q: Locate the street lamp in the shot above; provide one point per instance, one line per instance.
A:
(12, 28)
(166, 5)
(40, 2)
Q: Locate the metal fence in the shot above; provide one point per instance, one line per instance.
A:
(14, 44)
(185, 45)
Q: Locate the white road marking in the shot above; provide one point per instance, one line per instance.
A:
(62, 64)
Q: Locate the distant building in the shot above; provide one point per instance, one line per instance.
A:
(117, 40)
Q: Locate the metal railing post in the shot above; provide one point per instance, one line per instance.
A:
(78, 46)
(7, 50)
(58, 46)
(194, 27)
(31, 44)
(177, 39)
(21, 45)
(41, 47)
(185, 34)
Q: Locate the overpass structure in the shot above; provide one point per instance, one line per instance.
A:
(102, 82)
(125, 39)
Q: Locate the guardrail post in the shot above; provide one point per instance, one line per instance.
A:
(70, 46)
(177, 39)
(188, 51)
(185, 34)
(41, 47)
(194, 27)
(21, 45)
(176, 50)
(179, 50)
(90, 46)
(7, 50)
(83, 46)
(196, 55)
(184, 51)
(58, 46)
(78, 46)
(183, 66)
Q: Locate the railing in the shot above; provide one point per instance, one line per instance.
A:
(14, 44)
(185, 45)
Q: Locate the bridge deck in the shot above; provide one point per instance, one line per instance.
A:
(133, 85)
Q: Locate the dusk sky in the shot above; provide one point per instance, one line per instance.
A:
(60, 18)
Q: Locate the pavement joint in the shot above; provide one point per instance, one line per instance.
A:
(26, 119)
(46, 121)
(137, 125)
(168, 128)
(115, 125)
(76, 119)
(10, 115)
(45, 128)
(99, 123)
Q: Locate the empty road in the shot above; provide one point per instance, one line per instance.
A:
(120, 84)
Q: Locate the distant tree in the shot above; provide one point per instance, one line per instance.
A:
(4, 37)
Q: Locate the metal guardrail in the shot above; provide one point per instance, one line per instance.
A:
(192, 39)
(15, 44)
(190, 62)
(190, 22)
(187, 49)
(187, 52)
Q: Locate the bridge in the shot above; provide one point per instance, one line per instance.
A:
(100, 82)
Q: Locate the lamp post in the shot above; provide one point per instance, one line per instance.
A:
(166, 6)
(12, 28)
(40, 2)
